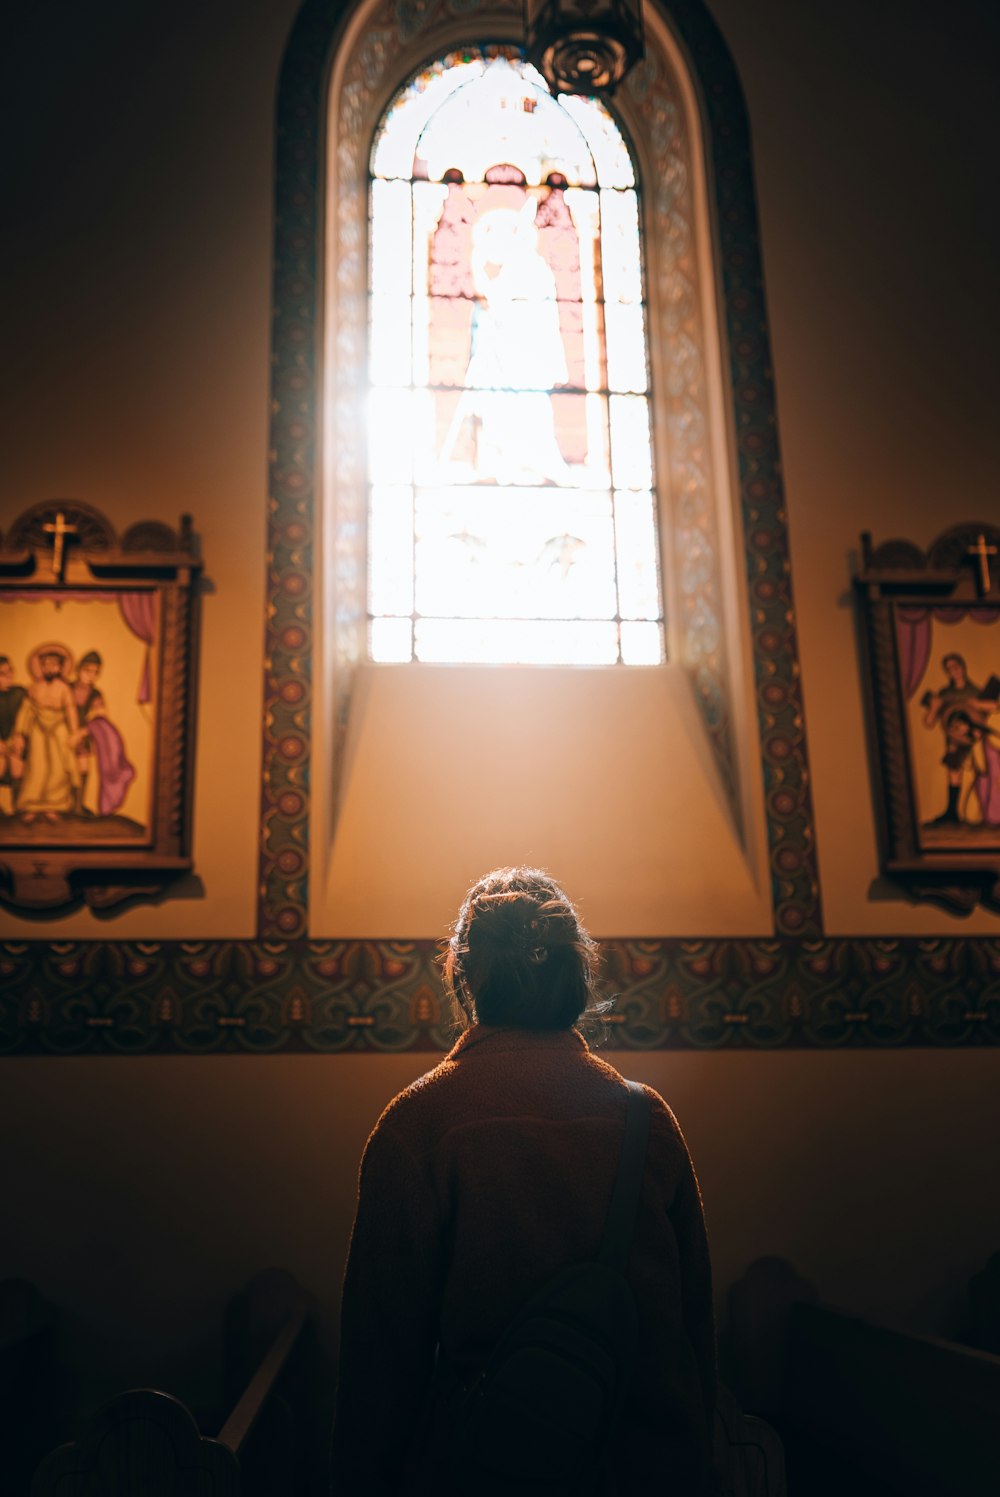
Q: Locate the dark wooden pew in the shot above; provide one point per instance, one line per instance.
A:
(983, 1328)
(863, 1407)
(30, 1392)
(920, 1413)
(145, 1441)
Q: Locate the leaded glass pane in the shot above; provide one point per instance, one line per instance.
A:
(526, 553)
(391, 640)
(389, 355)
(396, 139)
(391, 230)
(508, 373)
(390, 552)
(626, 346)
(632, 462)
(641, 644)
(610, 153)
(620, 247)
(391, 436)
(638, 582)
(503, 115)
(516, 642)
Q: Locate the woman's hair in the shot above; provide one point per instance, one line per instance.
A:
(520, 957)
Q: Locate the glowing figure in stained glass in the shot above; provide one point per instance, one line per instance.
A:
(516, 354)
(508, 409)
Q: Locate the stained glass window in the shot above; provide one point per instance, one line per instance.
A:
(512, 509)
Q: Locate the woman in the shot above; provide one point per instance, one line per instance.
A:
(488, 1175)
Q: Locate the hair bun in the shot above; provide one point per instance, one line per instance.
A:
(509, 927)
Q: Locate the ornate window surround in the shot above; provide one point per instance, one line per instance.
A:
(356, 58)
(382, 45)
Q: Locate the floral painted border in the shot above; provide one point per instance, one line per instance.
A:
(284, 850)
(326, 997)
(781, 715)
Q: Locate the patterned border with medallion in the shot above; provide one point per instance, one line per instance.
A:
(325, 997)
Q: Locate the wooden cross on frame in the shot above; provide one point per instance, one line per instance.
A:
(59, 530)
(982, 552)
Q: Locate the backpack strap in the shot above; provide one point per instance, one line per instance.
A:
(616, 1243)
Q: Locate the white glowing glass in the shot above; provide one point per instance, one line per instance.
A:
(632, 459)
(516, 642)
(638, 574)
(642, 644)
(390, 552)
(518, 554)
(626, 343)
(422, 436)
(620, 247)
(390, 436)
(391, 237)
(391, 640)
(610, 153)
(389, 350)
(420, 348)
(503, 116)
(396, 140)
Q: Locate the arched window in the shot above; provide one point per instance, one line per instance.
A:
(697, 513)
(366, 764)
(511, 508)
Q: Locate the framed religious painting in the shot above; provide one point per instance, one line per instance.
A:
(931, 632)
(98, 641)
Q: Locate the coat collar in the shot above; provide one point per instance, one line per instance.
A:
(484, 1037)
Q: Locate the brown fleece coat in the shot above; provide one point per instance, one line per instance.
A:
(479, 1182)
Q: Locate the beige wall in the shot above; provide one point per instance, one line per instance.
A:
(871, 143)
(136, 379)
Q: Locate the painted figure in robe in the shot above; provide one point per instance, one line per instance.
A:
(11, 696)
(46, 734)
(517, 354)
(105, 772)
(972, 745)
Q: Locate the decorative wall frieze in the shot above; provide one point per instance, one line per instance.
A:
(378, 997)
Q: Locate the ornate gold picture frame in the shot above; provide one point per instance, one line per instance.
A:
(97, 678)
(931, 630)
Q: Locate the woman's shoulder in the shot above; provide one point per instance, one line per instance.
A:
(663, 1124)
(411, 1111)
